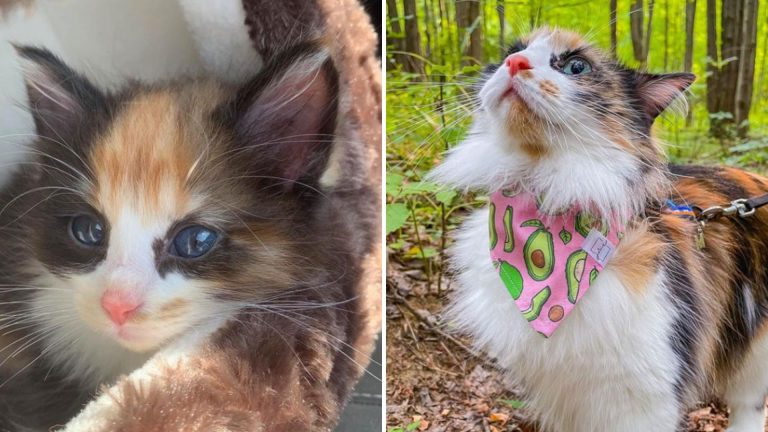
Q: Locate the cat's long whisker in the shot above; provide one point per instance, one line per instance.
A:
(309, 327)
(266, 177)
(412, 126)
(301, 306)
(267, 309)
(71, 175)
(421, 149)
(54, 345)
(34, 206)
(28, 340)
(226, 156)
(37, 189)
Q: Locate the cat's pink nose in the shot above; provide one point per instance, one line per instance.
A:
(119, 308)
(515, 63)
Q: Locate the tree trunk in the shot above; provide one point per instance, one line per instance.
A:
(613, 28)
(764, 56)
(729, 52)
(395, 38)
(746, 74)
(412, 37)
(690, 21)
(636, 29)
(729, 86)
(500, 10)
(647, 41)
(467, 15)
(714, 72)
(427, 24)
(666, 34)
(476, 38)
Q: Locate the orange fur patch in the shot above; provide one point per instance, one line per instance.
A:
(172, 309)
(635, 259)
(561, 40)
(549, 88)
(143, 160)
(524, 125)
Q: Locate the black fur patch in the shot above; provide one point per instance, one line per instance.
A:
(685, 328)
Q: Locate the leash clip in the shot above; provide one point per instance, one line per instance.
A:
(743, 208)
(713, 212)
(738, 206)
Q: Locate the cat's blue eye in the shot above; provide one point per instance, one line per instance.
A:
(577, 66)
(194, 241)
(87, 230)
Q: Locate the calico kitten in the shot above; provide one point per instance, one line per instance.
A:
(665, 324)
(183, 234)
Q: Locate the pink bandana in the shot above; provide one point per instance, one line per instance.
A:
(547, 261)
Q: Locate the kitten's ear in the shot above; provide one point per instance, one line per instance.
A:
(656, 92)
(58, 96)
(287, 115)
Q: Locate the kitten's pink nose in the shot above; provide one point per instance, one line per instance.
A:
(516, 63)
(118, 306)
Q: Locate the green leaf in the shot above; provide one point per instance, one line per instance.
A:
(429, 252)
(394, 183)
(418, 188)
(749, 145)
(446, 196)
(721, 115)
(514, 403)
(397, 215)
(396, 429)
(412, 427)
(532, 223)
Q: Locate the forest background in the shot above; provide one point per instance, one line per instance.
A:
(435, 51)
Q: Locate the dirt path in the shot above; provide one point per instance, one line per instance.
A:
(435, 383)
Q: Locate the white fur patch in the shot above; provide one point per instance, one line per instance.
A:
(222, 38)
(582, 173)
(609, 367)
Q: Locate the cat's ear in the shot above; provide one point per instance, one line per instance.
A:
(58, 96)
(287, 116)
(656, 92)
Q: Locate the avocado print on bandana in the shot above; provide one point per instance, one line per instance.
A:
(547, 262)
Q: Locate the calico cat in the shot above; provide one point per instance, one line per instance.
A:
(565, 130)
(186, 235)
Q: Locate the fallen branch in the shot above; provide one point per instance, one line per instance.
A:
(424, 318)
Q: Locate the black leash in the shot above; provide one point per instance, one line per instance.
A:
(742, 207)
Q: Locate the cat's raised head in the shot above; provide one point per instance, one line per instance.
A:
(149, 211)
(557, 108)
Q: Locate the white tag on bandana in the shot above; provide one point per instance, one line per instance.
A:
(598, 247)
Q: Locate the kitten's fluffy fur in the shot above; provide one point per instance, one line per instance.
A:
(268, 331)
(665, 324)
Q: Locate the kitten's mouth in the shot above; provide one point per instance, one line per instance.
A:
(134, 339)
(511, 92)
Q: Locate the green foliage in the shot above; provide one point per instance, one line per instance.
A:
(513, 403)
(408, 428)
(428, 114)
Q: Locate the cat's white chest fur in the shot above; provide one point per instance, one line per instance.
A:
(609, 359)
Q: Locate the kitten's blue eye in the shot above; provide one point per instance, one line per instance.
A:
(194, 241)
(87, 230)
(577, 66)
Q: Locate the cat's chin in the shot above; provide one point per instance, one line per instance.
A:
(133, 337)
